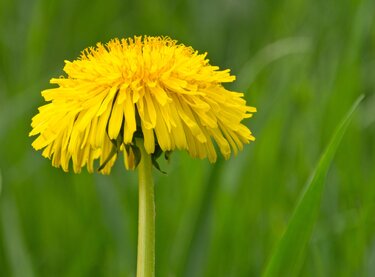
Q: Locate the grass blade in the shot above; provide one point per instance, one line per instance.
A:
(269, 54)
(288, 255)
(14, 243)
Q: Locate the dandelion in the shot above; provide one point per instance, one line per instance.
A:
(152, 88)
(141, 97)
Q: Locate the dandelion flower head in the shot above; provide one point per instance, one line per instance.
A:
(148, 87)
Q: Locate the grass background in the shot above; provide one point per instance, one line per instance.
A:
(301, 63)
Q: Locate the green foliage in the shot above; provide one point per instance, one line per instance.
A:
(301, 63)
(286, 258)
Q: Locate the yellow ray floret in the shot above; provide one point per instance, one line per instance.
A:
(151, 87)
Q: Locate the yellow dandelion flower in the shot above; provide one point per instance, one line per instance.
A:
(148, 87)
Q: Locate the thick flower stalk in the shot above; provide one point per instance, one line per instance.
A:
(147, 87)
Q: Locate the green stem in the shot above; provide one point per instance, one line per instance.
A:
(146, 216)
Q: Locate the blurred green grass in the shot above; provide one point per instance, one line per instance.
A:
(301, 63)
